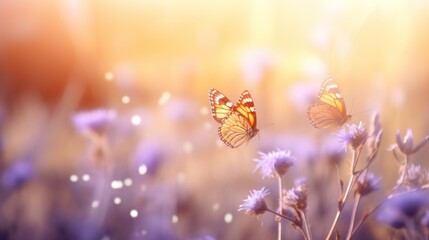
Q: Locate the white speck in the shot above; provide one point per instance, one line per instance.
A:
(174, 219)
(215, 206)
(136, 120)
(134, 213)
(181, 177)
(143, 232)
(208, 125)
(204, 111)
(117, 200)
(164, 98)
(128, 182)
(228, 218)
(117, 184)
(74, 178)
(142, 169)
(125, 99)
(108, 76)
(143, 187)
(86, 177)
(95, 204)
(188, 147)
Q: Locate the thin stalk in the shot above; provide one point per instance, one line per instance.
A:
(306, 224)
(353, 217)
(404, 171)
(279, 224)
(355, 156)
(281, 215)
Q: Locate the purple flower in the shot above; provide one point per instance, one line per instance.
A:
(255, 204)
(149, 154)
(367, 183)
(403, 207)
(416, 176)
(297, 196)
(355, 137)
(96, 120)
(406, 144)
(275, 163)
(17, 174)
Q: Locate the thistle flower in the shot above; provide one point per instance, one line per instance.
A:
(367, 184)
(254, 204)
(96, 120)
(297, 197)
(18, 174)
(406, 144)
(416, 176)
(275, 163)
(402, 208)
(355, 137)
(409, 203)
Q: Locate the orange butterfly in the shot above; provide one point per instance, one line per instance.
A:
(329, 111)
(237, 121)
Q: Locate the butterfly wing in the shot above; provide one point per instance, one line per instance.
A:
(330, 109)
(221, 106)
(235, 130)
(246, 107)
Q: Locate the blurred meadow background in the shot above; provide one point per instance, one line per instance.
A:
(106, 130)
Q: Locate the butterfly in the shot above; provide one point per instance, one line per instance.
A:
(237, 121)
(329, 111)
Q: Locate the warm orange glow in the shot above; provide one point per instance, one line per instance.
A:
(152, 62)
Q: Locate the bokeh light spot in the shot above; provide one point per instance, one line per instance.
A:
(134, 213)
(228, 218)
(95, 204)
(86, 177)
(128, 182)
(204, 111)
(108, 76)
(215, 206)
(174, 219)
(142, 169)
(125, 99)
(136, 120)
(117, 200)
(117, 184)
(164, 98)
(74, 178)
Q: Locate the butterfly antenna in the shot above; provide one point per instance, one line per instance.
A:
(363, 111)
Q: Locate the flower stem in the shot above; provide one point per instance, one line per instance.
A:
(353, 217)
(281, 215)
(355, 157)
(404, 171)
(279, 178)
(306, 225)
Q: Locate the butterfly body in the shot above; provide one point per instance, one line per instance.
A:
(237, 121)
(329, 111)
